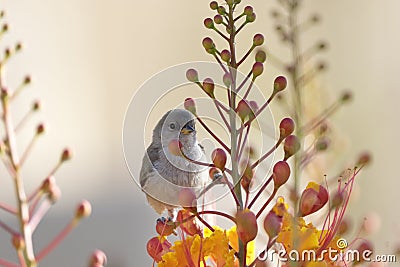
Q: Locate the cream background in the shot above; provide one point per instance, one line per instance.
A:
(87, 59)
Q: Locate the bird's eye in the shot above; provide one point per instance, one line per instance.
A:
(172, 126)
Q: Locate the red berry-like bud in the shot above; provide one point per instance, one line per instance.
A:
(258, 39)
(260, 56)
(165, 227)
(187, 199)
(214, 5)
(208, 87)
(248, 10)
(214, 173)
(247, 178)
(175, 147)
(225, 55)
(257, 69)
(281, 173)
(208, 43)
(227, 79)
(247, 228)
(273, 224)
(251, 18)
(346, 96)
(221, 10)
(27, 79)
(190, 105)
(286, 127)
(66, 155)
(157, 247)
(219, 158)
(48, 183)
(243, 109)
(364, 159)
(218, 19)
(280, 83)
(208, 23)
(40, 129)
(313, 198)
(36, 105)
(83, 210)
(192, 75)
(291, 146)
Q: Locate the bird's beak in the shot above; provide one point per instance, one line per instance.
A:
(187, 129)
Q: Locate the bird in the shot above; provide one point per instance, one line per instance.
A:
(163, 174)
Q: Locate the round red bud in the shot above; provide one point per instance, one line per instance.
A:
(246, 228)
(225, 55)
(243, 109)
(155, 249)
(98, 258)
(219, 158)
(221, 10)
(209, 23)
(286, 127)
(83, 210)
(208, 43)
(257, 69)
(192, 75)
(364, 159)
(214, 5)
(248, 10)
(251, 18)
(190, 105)
(66, 155)
(281, 173)
(291, 146)
(273, 225)
(258, 39)
(261, 56)
(40, 129)
(280, 83)
(208, 87)
(218, 19)
(227, 79)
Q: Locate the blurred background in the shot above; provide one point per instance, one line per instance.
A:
(87, 59)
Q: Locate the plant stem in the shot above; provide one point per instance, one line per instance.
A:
(22, 203)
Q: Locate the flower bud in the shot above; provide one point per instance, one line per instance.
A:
(251, 18)
(227, 79)
(248, 10)
(346, 96)
(164, 227)
(243, 109)
(257, 69)
(218, 19)
(192, 75)
(98, 258)
(47, 184)
(364, 159)
(322, 144)
(27, 79)
(175, 147)
(66, 155)
(247, 178)
(188, 200)
(229, 2)
(36, 105)
(261, 56)
(221, 10)
(208, 87)
(321, 45)
(281, 173)
(225, 55)
(247, 228)
(254, 108)
(214, 5)
(258, 39)
(207, 44)
(189, 226)
(291, 146)
(219, 158)
(18, 47)
(280, 83)
(214, 173)
(190, 105)
(209, 23)
(313, 198)
(40, 129)
(5, 27)
(157, 247)
(83, 210)
(286, 127)
(273, 224)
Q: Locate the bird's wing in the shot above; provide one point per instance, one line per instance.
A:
(150, 157)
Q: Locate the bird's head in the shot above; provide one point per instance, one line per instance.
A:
(176, 124)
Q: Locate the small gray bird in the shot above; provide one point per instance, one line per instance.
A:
(163, 174)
